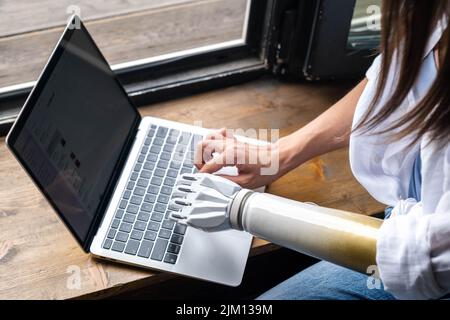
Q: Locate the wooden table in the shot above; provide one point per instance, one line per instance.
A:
(39, 259)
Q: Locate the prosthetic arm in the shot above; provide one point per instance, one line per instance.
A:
(213, 204)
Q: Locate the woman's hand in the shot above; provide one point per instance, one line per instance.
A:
(258, 165)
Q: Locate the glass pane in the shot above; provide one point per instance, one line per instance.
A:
(366, 25)
(125, 30)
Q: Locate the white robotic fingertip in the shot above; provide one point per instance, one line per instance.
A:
(182, 202)
(178, 216)
(174, 206)
(191, 176)
(182, 191)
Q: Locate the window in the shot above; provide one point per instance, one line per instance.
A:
(127, 32)
(162, 49)
(158, 48)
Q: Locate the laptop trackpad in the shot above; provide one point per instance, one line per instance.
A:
(219, 257)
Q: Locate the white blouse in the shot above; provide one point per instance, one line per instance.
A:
(413, 249)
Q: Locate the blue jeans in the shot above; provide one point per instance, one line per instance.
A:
(326, 281)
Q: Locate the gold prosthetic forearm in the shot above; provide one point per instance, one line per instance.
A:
(344, 238)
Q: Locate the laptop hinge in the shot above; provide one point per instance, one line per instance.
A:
(111, 185)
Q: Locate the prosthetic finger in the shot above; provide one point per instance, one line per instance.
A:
(175, 206)
(222, 186)
(182, 191)
(206, 220)
(225, 187)
(187, 179)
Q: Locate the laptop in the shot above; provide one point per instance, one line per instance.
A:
(109, 173)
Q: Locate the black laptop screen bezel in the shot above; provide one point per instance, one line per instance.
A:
(74, 25)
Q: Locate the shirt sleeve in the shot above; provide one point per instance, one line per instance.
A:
(374, 69)
(413, 247)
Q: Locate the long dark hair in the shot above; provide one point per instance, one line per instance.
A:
(406, 27)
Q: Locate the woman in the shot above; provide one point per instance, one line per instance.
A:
(397, 124)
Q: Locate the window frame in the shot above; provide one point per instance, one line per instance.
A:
(333, 19)
(305, 53)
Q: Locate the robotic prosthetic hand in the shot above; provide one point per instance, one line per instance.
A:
(212, 203)
(204, 201)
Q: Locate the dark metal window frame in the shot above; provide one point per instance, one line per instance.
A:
(176, 77)
(312, 41)
(333, 21)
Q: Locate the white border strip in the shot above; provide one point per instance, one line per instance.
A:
(135, 63)
(247, 19)
(178, 54)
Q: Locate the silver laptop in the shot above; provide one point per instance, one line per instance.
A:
(109, 174)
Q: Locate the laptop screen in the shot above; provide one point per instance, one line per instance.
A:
(73, 129)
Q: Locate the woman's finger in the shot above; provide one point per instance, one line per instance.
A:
(205, 150)
(228, 134)
(217, 135)
(198, 155)
(214, 165)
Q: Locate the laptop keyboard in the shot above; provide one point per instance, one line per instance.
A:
(141, 226)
